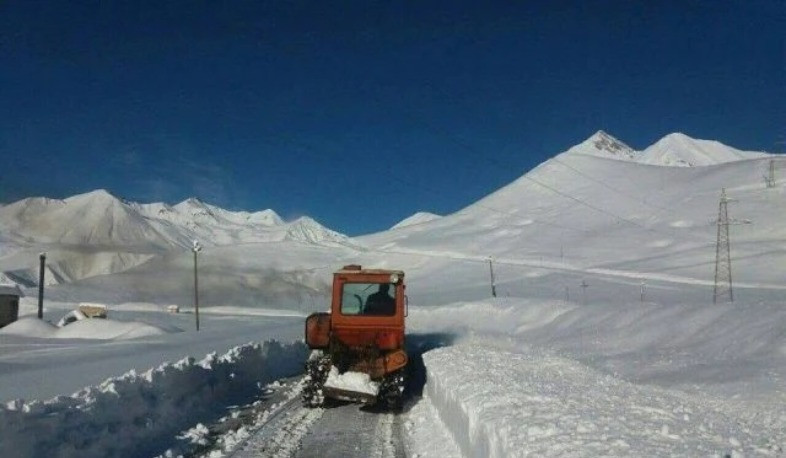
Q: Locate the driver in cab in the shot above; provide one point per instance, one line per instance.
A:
(380, 303)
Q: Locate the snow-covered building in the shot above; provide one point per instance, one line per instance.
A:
(9, 304)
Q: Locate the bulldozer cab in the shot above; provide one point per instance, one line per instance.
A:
(368, 297)
(368, 308)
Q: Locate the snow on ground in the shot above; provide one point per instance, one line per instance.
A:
(38, 368)
(97, 328)
(501, 403)
(556, 379)
(728, 349)
(139, 414)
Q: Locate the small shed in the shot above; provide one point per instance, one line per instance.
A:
(9, 304)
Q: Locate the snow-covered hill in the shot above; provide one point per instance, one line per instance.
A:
(97, 234)
(417, 218)
(585, 214)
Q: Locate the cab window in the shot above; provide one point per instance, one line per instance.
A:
(370, 299)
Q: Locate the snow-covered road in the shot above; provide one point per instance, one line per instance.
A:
(352, 431)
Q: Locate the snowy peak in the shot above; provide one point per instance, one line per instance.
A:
(305, 229)
(674, 150)
(417, 218)
(604, 145)
(680, 150)
(266, 217)
(99, 195)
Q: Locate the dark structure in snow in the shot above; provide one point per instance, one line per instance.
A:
(9, 304)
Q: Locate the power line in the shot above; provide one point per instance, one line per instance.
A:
(624, 194)
(611, 188)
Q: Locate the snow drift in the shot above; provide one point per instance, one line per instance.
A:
(97, 328)
(139, 414)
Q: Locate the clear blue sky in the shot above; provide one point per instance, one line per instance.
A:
(360, 113)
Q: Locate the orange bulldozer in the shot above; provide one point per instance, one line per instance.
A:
(358, 351)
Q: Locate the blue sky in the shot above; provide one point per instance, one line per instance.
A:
(360, 113)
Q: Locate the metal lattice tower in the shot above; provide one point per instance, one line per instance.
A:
(723, 287)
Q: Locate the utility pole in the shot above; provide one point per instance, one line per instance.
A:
(723, 281)
(493, 282)
(584, 287)
(196, 249)
(41, 272)
(770, 178)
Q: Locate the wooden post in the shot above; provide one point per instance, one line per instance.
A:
(41, 272)
(196, 290)
(493, 285)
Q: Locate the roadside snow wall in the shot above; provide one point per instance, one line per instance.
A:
(497, 404)
(139, 414)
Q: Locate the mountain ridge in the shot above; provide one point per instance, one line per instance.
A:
(672, 150)
(96, 233)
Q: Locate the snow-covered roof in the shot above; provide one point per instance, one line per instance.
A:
(10, 290)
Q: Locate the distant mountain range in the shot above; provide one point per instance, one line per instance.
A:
(96, 233)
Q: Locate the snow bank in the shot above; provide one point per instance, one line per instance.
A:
(139, 414)
(31, 327)
(732, 349)
(498, 403)
(95, 328)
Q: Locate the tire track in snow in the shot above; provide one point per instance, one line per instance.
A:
(349, 430)
(281, 434)
(383, 446)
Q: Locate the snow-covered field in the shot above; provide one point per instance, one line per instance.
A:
(603, 338)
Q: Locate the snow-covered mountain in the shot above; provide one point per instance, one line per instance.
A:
(417, 218)
(675, 149)
(96, 233)
(584, 214)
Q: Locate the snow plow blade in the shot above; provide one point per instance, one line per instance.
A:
(351, 396)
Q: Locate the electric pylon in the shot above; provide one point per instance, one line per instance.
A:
(723, 288)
